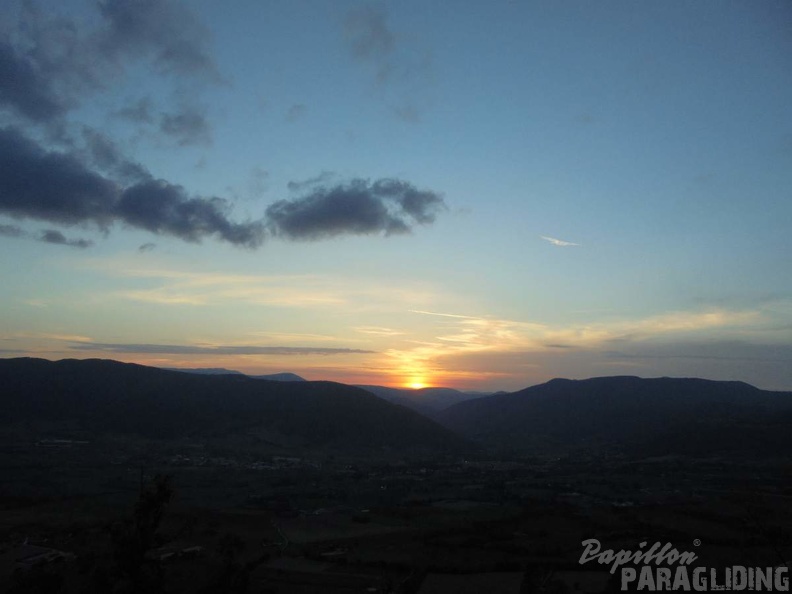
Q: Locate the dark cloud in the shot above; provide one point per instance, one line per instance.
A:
(164, 208)
(59, 188)
(408, 113)
(46, 236)
(358, 208)
(51, 186)
(295, 112)
(161, 29)
(11, 231)
(49, 62)
(56, 237)
(401, 69)
(296, 186)
(421, 205)
(105, 155)
(140, 112)
(187, 127)
(23, 89)
(258, 182)
(175, 349)
(370, 39)
(147, 247)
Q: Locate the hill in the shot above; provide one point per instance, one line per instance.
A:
(280, 377)
(275, 377)
(637, 416)
(205, 370)
(104, 396)
(427, 401)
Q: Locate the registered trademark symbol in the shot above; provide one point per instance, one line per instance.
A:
(696, 542)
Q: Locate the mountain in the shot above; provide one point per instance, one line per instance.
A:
(104, 396)
(640, 416)
(280, 377)
(427, 401)
(205, 370)
(275, 377)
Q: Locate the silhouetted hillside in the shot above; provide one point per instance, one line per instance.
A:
(280, 377)
(111, 397)
(276, 377)
(640, 416)
(205, 370)
(427, 401)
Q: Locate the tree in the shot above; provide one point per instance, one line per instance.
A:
(133, 538)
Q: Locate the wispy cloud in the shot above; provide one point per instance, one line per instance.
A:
(559, 242)
(512, 347)
(187, 349)
(402, 68)
(444, 315)
(46, 236)
(169, 286)
(378, 331)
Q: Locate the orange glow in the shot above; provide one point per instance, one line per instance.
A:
(416, 385)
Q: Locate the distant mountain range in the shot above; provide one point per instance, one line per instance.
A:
(275, 377)
(105, 396)
(645, 417)
(634, 416)
(427, 401)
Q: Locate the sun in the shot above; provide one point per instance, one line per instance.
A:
(416, 385)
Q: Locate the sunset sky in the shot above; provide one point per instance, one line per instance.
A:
(481, 195)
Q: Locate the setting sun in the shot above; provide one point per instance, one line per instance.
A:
(416, 385)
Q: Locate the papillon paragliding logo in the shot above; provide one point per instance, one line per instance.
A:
(661, 567)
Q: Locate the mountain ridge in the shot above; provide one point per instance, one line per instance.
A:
(109, 396)
(658, 415)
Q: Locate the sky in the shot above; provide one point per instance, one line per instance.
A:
(478, 195)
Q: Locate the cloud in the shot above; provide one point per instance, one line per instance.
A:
(402, 70)
(65, 173)
(11, 231)
(50, 186)
(720, 350)
(140, 112)
(559, 242)
(296, 112)
(370, 39)
(457, 347)
(378, 331)
(147, 247)
(297, 186)
(165, 208)
(163, 30)
(170, 285)
(171, 349)
(257, 185)
(48, 62)
(360, 207)
(104, 154)
(59, 188)
(56, 237)
(23, 89)
(187, 127)
(444, 315)
(408, 113)
(46, 236)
